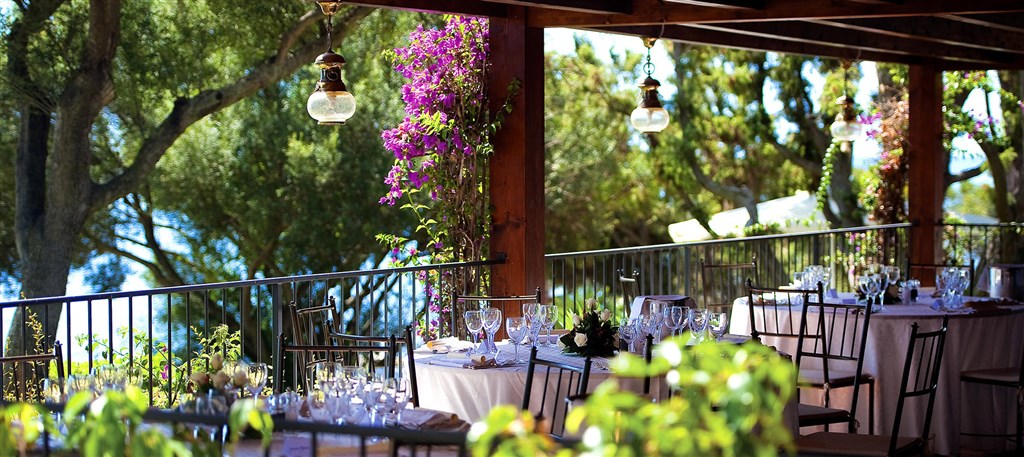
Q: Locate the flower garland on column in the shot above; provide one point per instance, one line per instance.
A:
(441, 151)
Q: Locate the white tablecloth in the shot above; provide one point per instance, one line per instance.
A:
(445, 386)
(473, 393)
(988, 339)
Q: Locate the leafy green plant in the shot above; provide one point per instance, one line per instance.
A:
(728, 401)
(110, 426)
(20, 425)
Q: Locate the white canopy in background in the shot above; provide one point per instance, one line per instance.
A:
(796, 213)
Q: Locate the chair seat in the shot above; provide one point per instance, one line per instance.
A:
(1009, 377)
(819, 415)
(837, 378)
(831, 443)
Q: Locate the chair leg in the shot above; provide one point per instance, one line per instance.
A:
(1020, 418)
(871, 407)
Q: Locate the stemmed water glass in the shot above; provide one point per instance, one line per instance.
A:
(531, 312)
(492, 322)
(719, 324)
(517, 329)
(550, 317)
(674, 318)
(698, 322)
(657, 318)
(256, 378)
(475, 323)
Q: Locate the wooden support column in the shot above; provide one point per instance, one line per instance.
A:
(928, 164)
(517, 167)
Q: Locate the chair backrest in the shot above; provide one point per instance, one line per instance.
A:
(561, 384)
(839, 337)
(26, 374)
(722, 283)
(630, 288)
(363, 351)
(926, 273)
(471, 302)
(314, 325)
(920, 375)
(780, 313)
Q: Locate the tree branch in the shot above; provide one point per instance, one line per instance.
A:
(188, 111)
(965, 175)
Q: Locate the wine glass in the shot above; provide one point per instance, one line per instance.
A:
(719, 324)
(674, 318)
(316, 401)
(798, 280)
(531, 312)
(402, 398)
(698, 321)
(211, 404)
(256, 378)
(475, 323)
(657, 316)
(549, 319)
(492, 322)
(517, 329)
(324, 375)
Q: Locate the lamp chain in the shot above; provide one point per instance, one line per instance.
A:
(648, 66)
(330, 30)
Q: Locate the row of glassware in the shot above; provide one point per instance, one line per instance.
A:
(676, 319)
(344, 394)
(537, 319)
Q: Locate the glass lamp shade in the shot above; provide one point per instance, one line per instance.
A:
(844, 130)
(649, 120)
(331, 107)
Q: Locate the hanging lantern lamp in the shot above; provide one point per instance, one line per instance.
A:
(846, 127)
(649, 116)
(331, 103)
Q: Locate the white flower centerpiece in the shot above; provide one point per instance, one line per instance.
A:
(592, 334)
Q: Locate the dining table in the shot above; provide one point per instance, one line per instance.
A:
(988, 333)
(452, 383)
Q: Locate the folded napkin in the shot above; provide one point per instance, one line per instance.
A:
(473, 360)
(445, 345)
(420, 418)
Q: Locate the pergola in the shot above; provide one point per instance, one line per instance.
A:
(930, 36)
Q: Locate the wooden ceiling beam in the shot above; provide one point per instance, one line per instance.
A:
(818, 34)
(752, 4)
(709, 37)
(1004, 22)
(586, 6)
(938, 30)
(467, 8)
(654, 12)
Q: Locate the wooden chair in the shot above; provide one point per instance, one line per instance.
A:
(926, 273)
(1009, 378)
(920, 379)
(26, 374)
(840, 339)
(722, 283)
(470, 302)
(408, 341)
(556, 375)
(360, 351)
(782, 312)
(314, 325)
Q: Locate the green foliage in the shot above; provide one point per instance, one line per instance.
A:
(760, 228)
(110, 426)
(509, 432)
(601, 187)
(20, 426)
(169, 373)
(729, 401)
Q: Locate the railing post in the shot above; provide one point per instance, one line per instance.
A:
(687, 286)
(276, 327)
